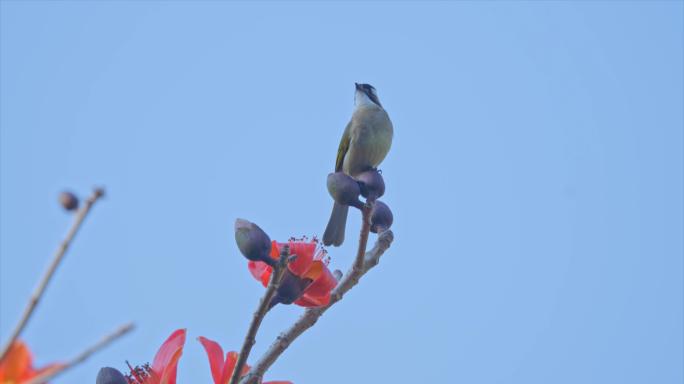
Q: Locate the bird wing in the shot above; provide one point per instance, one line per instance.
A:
(343, 148)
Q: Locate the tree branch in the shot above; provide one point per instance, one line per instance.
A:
(56, 260)
(363, 237)
(311, 315)
(50, 374)
(260, 313)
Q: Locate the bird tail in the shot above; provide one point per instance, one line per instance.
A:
(334, 232)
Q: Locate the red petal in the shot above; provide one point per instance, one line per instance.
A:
(313, 301)
(228, 367)
(266, 276)
(318, 292)
(305, 252)
(260, 270)
(215, 355)
(275, 250)
(169, 375)
(16, 364)
(305, 302)
(231, 360)
(166, 360)
(323, 283)
(315, 271)
(245, 369)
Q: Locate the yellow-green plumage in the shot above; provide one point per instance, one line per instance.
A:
(365, 143)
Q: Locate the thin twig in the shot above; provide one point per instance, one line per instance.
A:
(311, 315)
(50, 374)
(363, 237)
(260, 313)
(59, 255)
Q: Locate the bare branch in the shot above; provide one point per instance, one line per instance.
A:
(260, 313)
(56, 260)
(50, 374)
(369, 260)
(363, 237)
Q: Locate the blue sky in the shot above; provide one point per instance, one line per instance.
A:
(535, 178)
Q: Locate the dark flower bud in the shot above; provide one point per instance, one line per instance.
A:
(291, 288)
(68, 200)
(253, 242)
(372, 185)
(109, 375)
(381, 217)
(344, 190)
(99, 192)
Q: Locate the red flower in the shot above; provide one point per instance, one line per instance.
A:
(221, 369)
(17, 365)
(163, 369)
(310, 266)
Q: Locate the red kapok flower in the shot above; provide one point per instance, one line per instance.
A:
(163, 369)
(17, 365)
(310, 266)
(221, 369)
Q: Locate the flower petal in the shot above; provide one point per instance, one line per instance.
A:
(305, 302)
(275, 250)
(166, 360)
(314, 271)
(169, 375)
(16, 364)
(245, 369)
(323, 283)
(215, 355)
(260, 270)
(318, 292)
(303, 249)
(305, 254)
(313, 301)
(231, 360)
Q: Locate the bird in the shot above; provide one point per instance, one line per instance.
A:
(365, 143)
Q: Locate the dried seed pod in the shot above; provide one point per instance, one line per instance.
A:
(372, 184)
(344, 190)
(381, 217)
(108, 375)
(68, 201)
(253, 242)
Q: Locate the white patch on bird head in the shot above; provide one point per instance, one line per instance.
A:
(362, 100)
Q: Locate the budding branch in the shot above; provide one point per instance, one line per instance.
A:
(260, 313)
(368, 260)
(56, 260)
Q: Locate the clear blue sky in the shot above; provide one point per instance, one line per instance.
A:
(535, 178)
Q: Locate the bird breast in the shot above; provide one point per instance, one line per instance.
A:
(371, 134)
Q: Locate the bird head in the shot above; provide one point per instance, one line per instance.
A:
(365, 94)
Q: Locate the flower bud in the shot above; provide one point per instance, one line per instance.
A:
(109, 375)
(68, 201)
(381, 217)
(344, 190)
(253, 242)
(372, 185)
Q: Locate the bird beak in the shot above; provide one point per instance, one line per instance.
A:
(358, 87)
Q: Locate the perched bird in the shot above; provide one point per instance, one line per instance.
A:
(365, 143)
